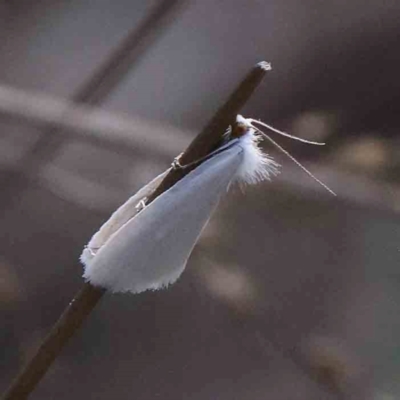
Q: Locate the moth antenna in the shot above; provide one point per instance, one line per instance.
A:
(279, 147)
(271, 128)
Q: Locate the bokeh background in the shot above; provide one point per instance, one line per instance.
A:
(291, 293)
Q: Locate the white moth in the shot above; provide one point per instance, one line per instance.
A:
(147, 247)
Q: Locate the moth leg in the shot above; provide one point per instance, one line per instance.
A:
(176, 164)
(91, 250)
(141, 205)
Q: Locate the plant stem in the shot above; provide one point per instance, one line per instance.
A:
(70, 320)
(86, 299)
(209, 138)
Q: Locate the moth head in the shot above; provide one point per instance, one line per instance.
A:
(248, 132)
(240, 127)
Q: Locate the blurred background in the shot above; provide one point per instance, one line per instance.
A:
(291, 293)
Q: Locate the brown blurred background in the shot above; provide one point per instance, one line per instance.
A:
(291, 293)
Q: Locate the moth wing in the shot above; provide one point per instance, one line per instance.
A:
(151, 250)
(121, 216)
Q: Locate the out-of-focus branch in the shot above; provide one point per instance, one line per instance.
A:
(104, 79)
(121, 131)
(92, 123)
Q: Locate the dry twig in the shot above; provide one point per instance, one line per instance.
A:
(83, 303)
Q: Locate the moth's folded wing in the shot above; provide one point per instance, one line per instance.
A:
(151, 250)
(121, 216)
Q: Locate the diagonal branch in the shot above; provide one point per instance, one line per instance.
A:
(87, 298)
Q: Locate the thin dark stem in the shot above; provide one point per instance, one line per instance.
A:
(87, 298)
(209, 138)
(70, 320)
